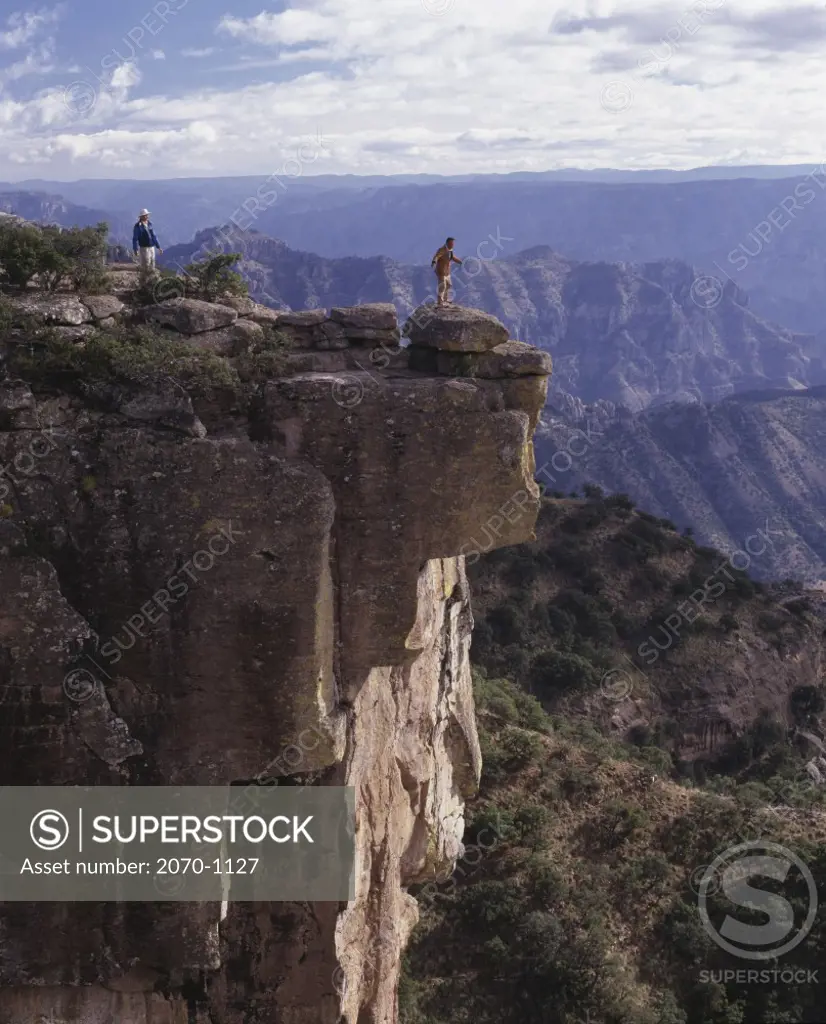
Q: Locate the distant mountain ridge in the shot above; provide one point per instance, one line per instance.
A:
(764, 233)
(45, 208)
(753, 462)
(632, 334)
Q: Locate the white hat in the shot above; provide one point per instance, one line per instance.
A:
(144, 213)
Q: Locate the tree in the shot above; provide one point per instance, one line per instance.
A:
(212, 277)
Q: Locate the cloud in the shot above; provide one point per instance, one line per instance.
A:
(157, 55)
(288, 28)
(37, 62)
(22, 27)
(125, 76)
(428, 85)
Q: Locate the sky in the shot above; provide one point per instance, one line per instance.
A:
(180, 88)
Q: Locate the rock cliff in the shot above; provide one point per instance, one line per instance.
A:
(278, 592)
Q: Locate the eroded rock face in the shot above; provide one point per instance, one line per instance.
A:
(227, 596)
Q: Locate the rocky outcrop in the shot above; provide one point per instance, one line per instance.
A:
(454, 329)
(184, 605)
(632, 334)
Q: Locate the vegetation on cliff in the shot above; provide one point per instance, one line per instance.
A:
(122, 349)
(55, 257)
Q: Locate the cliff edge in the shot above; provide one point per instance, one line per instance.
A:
(202, 586)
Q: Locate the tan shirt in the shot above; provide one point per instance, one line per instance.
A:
(443, 258)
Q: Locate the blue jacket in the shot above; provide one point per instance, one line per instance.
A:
(144, 237)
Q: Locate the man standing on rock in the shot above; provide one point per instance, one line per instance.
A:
(441, 264)
(144, 244)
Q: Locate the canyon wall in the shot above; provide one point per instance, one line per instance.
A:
(197, 599)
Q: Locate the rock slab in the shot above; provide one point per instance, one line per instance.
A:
(454, 329)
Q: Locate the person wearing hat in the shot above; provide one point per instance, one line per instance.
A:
(144, 244)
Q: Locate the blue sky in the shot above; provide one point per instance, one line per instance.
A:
(168, 88)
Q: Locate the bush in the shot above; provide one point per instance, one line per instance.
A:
(620, 501)
(530, 824)
(770, 622)
(520, 747)
(620, 820)
(213, 276)
(554, 672)
(133, 356)
(546, 883)
(21, 253)
(56, 256)
(507, 624)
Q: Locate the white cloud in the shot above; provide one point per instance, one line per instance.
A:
(486, 85)
(157, 55)
(205, 51)
(38, 62)
(23, 26)
(287, 28)
(125, 76)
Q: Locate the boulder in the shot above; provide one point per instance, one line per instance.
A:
(302, 318)
(102, 306)
(513, 359)
(454, 329)
(77, 333)
(379, 316)
(239, 337)
(54, 309)
(263, 315)
(191, 316)
(242, 304)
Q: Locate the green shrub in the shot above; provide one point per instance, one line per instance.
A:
(520, 747)
(213, 276)
(620, 501)
(507, 624)
(56, 256)
(554, 672)
(530, 823)
(130, 355)
(620, 820)
(21, 253)
(547, 886)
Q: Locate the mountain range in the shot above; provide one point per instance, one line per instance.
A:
(751, 466)
(744, 225)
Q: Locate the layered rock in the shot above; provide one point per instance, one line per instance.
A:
(322, 631)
